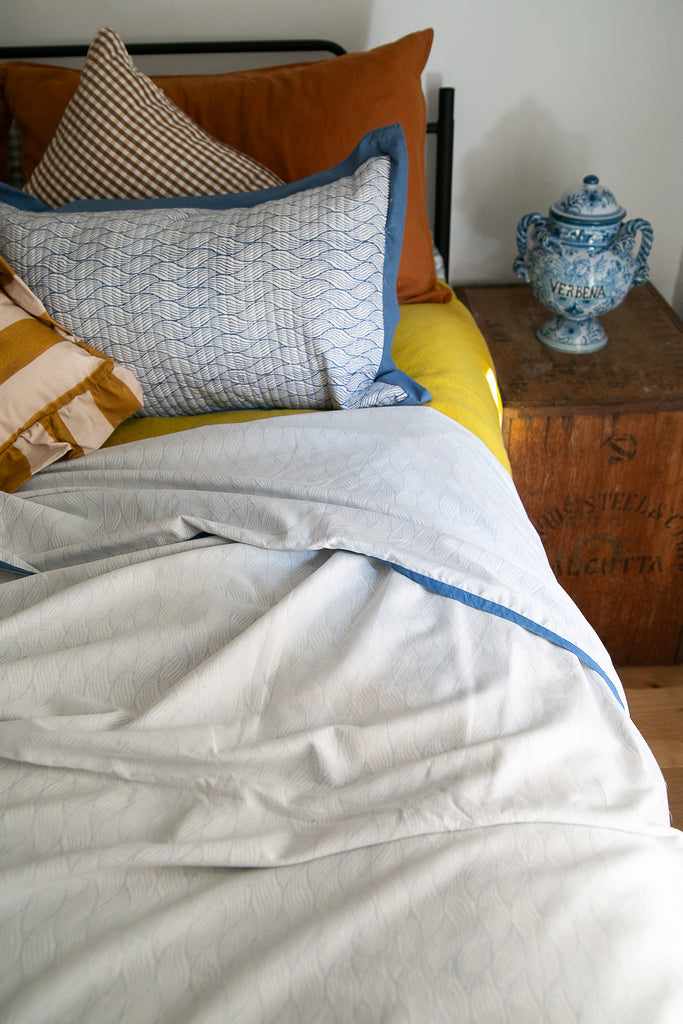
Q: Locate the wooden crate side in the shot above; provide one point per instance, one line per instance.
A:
(605, 493)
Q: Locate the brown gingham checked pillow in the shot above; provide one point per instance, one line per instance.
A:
(120, 137)
(58, 396)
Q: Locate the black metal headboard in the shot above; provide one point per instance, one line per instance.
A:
(442, 127)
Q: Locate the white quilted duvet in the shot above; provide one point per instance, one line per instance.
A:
(298, 726)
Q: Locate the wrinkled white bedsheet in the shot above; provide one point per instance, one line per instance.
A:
(252, 772)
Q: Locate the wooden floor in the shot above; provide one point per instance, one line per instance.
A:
(655, 698)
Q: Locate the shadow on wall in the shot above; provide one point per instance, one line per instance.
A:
(38, 21)
(522, 165)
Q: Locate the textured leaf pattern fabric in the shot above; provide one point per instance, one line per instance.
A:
(251, 773)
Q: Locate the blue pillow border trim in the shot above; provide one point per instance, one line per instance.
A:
(387, 141)
(483, 604)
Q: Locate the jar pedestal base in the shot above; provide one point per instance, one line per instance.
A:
(576, 336)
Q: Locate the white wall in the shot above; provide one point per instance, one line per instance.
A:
(546, 91)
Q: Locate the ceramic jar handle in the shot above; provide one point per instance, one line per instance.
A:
(541, 235)
(625, 240)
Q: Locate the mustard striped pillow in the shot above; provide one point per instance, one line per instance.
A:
(121, 137)
(58, 396)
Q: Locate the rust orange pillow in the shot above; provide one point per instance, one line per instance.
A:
(296, 120)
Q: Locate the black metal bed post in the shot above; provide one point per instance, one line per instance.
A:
(443, 128)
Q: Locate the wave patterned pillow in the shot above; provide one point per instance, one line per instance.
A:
(284, 298)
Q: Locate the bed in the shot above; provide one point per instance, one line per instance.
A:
(297, 723)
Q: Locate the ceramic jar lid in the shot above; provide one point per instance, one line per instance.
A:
(588, 203)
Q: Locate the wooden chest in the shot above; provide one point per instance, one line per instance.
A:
(596, 447)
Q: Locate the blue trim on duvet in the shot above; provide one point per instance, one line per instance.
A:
(474, 601)
(15, 568)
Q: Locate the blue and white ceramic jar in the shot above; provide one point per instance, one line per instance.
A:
(580, 263)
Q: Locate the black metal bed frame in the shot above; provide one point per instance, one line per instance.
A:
(442, 127)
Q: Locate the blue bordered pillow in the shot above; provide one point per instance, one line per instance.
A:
(282, 298)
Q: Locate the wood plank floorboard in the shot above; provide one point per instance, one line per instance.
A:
(655, 699)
